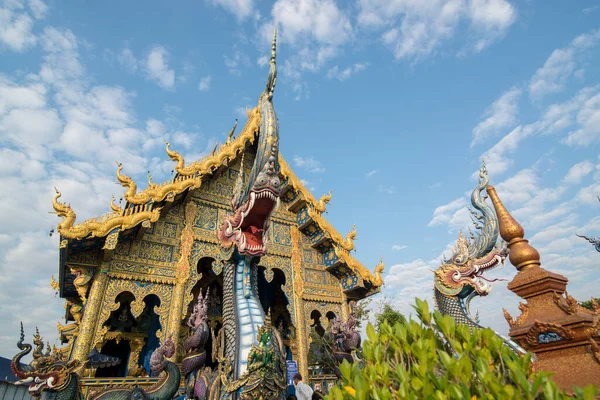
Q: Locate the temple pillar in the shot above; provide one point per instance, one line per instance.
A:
(562, 334)
(91, 311)
(301, 339)
(136, 342)
(182, 274)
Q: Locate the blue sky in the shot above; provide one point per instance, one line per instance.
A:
(389, 104)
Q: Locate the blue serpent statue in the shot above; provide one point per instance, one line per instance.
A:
(244, 235)
(461, 277)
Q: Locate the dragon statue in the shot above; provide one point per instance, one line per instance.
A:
(49, 375)
(461, 277)
(594, 241)
(197, 382)
(244, 235)
(164, 389)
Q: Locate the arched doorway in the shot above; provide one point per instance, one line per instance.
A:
(148, 323)
(120, 320)
(210, 284)
(273, 299)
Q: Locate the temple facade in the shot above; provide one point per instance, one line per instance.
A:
(130, 278)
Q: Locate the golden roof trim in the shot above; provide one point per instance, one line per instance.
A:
(286, 171)
(192, 174)
(376, 279)
(103, 225)
(323, 298)
(342, 246)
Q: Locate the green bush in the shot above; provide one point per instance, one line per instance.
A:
(434, 358)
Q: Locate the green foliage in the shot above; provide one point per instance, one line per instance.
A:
(321, 352)
(389, 315)
(588, 304)
(434, 358)
(362, 311)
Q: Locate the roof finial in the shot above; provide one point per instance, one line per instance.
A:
(272, 78)
(522, 255)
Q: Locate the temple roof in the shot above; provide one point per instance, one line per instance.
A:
(144, 207)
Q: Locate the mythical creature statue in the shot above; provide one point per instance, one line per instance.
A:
(196, 386)
(461, 277)
(244, 234)
(49, 375)
(595, 241)
(347, 339)
(164, 389)
(262, 379)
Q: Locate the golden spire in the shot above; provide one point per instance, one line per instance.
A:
(522, 255)
(272, 78)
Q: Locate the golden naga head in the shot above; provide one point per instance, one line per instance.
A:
(62, 209)
(461, 275)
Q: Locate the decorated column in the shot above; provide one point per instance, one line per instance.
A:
(182, 274)
(90, 314)
(301, 354)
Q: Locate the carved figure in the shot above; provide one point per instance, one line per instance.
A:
(195, 355)
(461, 277)
(49, 375)
(164, 389)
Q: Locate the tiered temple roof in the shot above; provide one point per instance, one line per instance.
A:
(144, 207)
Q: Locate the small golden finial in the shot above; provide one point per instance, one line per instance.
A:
(53, 284)
(231, 132)
(522, 255)
(268, 318)
(380, 266)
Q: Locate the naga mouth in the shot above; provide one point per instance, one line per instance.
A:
(475, 274)
(480, 282)
(250, 233)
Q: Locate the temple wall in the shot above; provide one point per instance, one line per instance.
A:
(149, 262)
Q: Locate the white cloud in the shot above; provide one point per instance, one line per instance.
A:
(16, 30)
(315, 30)
(237, 62)
(262, 61)
(38, 8)
(398, 247)
(342, 75)
(588, 120)
(242, 9)
(309, 20)
(589, 195)
(31, 129)
(309, 185)
(555, 119)
(309, 164)
(415, 30)
(157, 67)
(500, 115)
(444, 213)
(387, 189)
(371, 173)
(128, 60)
(519, 188)
(561, 66)
(204, 84)
(578, 172)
